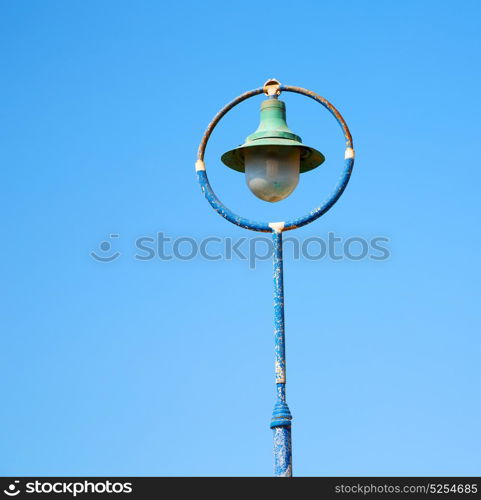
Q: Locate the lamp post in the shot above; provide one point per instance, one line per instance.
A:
(272, 159)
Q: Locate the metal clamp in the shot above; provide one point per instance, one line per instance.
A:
(272, 88)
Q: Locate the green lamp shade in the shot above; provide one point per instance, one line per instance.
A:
(273, 132)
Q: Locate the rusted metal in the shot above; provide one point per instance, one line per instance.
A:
(218, 117)
(281, 416)
(289, 225)
(327, 105)
(272, 88)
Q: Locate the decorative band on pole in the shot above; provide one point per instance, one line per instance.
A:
(273, 131)
(281, 416)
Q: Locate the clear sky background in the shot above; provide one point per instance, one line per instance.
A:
(166, 367)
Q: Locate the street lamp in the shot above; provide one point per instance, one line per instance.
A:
(272, 159)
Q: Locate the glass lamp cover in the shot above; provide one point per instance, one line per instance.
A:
(272, 172)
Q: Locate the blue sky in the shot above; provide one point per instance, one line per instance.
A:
(166, 367)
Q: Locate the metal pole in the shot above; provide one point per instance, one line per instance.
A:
(281, 416)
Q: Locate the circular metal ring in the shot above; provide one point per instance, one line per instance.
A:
(253, 225)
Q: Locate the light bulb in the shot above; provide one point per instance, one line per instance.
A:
(272, 172)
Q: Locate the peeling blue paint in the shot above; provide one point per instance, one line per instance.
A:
(282, 452)
(279, 333)
(281, 415)
(314, 214)
(326, 205)
(225, 212)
